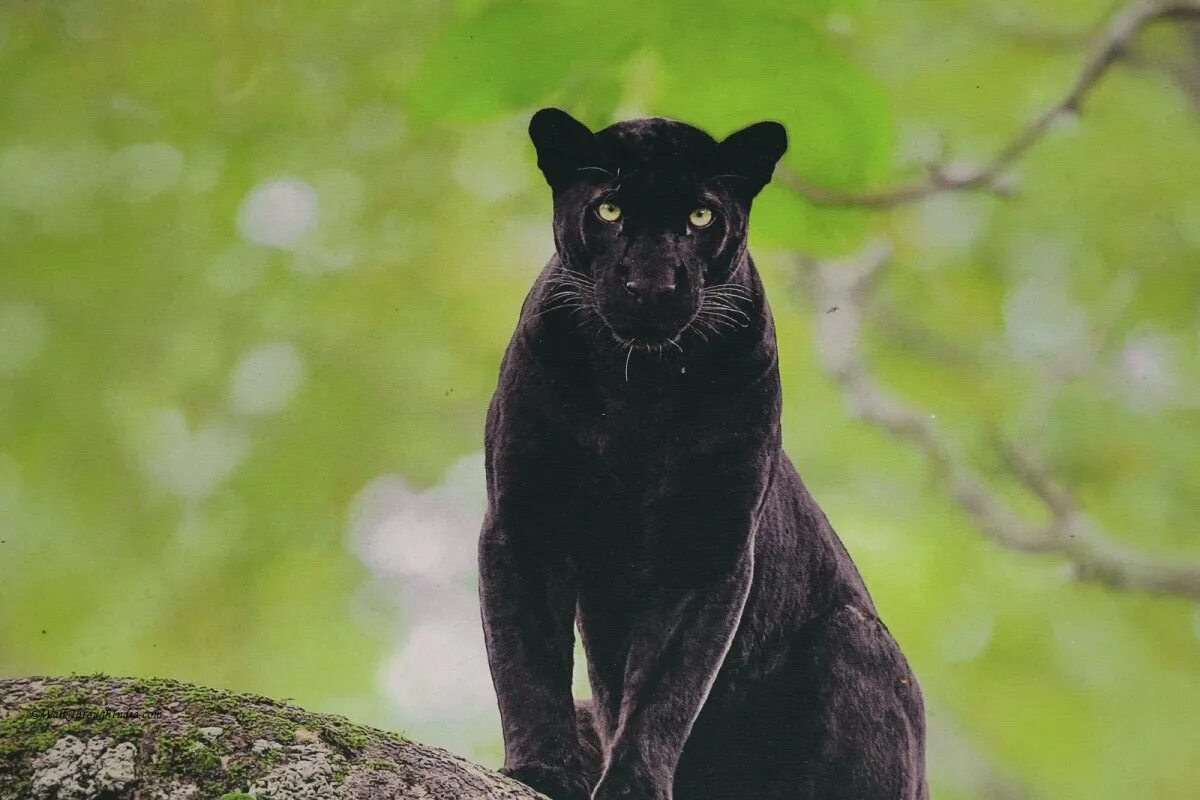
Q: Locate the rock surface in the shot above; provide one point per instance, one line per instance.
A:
(104, 738)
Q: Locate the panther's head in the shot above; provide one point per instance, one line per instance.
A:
(650, 217)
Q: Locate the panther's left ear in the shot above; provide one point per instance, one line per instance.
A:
(752, 153)
(563, 145)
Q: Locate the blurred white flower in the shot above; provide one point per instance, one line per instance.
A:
(439, 671)
(420, 547)
(279, 212)
(1147, 370)
(23, 332)
(141, 171)
(266, 378)
(950, 221)
(1039, 255)
(1041, 318)
(191, 464)
(403, 534)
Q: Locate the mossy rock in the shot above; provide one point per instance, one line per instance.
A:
(105, 738)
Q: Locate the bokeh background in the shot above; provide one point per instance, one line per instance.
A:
(259, 262)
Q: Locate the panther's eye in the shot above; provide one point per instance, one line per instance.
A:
(609, 212)
(701, 217)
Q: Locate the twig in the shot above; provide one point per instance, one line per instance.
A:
(1109, 46)
(847, 284)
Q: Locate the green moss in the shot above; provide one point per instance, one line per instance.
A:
(221, 768)
(384, 765)
(341, 733)
(39, 724)
(263, 725)
(59, 711)
(24, 732)
(205, 706)
(189, 756)
(270, 757)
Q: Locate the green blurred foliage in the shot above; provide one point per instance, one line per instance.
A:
(163, 513)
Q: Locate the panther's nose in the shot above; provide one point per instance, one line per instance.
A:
(649, 291)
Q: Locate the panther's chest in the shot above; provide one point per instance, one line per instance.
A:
(643, 439)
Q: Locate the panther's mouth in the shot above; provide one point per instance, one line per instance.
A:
(649, 345)
(658, 346)
(647, 336)
(715, 314)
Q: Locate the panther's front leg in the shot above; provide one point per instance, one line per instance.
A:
(527, 593)
(527, 602)
(684, 626)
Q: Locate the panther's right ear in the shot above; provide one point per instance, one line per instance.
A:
(563, 145)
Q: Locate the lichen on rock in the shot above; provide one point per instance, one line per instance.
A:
(307, 773)
(74, 769)
(103, 738)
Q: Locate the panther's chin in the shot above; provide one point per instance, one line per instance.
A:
(644, 332)
(643, 336)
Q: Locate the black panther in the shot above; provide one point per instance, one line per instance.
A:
(637, 488)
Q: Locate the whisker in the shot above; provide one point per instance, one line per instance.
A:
(708, 312)
(566, 296)
(718, 316)
(732, 321)
(725, 308)
(572, 284)
(723, 302)
(717, 327)
(731, 291)
(548, 309)
(730, 287)
(567, 272)
(598, 169)
(694, 326)
(725, 298)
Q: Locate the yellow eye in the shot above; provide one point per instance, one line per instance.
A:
(609, 212)
(700, 217)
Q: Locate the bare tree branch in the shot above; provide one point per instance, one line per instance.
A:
(846, 285)
(1109, 46)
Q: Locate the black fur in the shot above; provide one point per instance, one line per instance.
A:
(637, 487)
